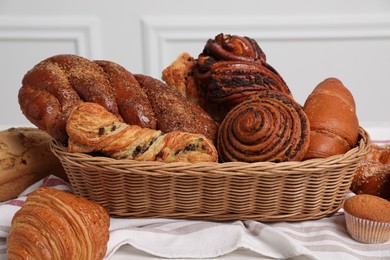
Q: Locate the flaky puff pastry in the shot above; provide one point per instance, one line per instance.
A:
(92, 128)
(54, 224)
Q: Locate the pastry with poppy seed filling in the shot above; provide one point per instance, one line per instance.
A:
(268, 126)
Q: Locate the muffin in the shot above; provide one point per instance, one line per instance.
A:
(368, 218)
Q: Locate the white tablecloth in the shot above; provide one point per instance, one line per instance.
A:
(326, 238)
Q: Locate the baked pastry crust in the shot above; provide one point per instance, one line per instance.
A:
(332, 114)
(372, 174)
(92, 128)
(25, 158)
(174, 112)
(54, 224)
(53, 87)
(268, 126)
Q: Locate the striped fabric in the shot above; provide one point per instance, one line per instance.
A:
(326, 238)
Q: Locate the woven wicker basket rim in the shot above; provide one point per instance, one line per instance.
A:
(297, 191)
(362, 147)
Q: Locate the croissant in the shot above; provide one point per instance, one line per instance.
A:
(54, 224)
(54, 86)
(332, 114)
(268, 126)
(91, 128)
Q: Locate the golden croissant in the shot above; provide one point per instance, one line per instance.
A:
(92, 128)
(54, 224)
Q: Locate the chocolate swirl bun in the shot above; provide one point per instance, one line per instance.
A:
(233, 47)
(53, 87)
(232, 67)
(268, 126)
(231, 82)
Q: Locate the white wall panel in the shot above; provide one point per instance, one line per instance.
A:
(26, 41)
(305, 40)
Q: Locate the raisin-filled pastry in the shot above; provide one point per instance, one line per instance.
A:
(268, 126)
(54, 224)
(91, 128)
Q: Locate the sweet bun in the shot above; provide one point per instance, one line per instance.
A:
(268, 126)
(372, 174)
(333, 120)
(232, 67)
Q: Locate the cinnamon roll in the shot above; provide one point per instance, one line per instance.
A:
(268, 126)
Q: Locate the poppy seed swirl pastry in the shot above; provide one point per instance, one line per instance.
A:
(231, 82)
(268, 126)
(231, 68)
(233, 47)
(91, 128)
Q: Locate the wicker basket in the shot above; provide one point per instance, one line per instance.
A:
(264, 191)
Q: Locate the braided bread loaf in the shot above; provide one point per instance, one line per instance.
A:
(56, 85)
(92, 128)
(54, 224)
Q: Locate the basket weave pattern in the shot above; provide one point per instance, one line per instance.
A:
(263, 191)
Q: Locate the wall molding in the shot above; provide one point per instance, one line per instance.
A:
(158, 32)
(83, 31)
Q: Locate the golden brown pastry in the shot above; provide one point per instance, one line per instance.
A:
(268, 126)
(372, 174)
(333, 120)
(133, 104)
(54, 224)
(54, 86)
(232, 67)
(25, 158)
(232, 81)
(174, 112)
(180, 76)
(92, 128)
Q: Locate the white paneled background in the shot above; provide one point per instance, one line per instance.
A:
(305, 40)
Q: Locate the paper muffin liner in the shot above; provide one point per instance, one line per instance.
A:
(367, 231)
